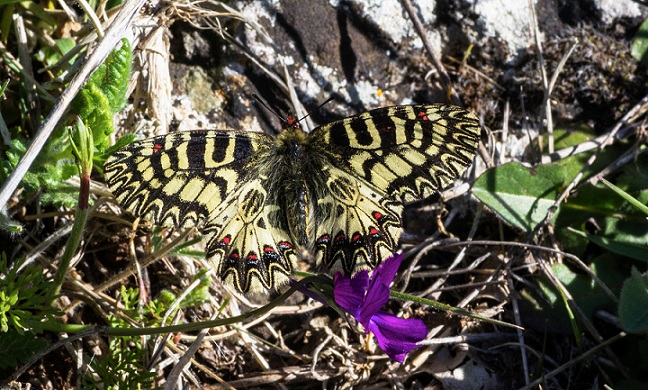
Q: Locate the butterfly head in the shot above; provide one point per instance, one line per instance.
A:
(291, 122)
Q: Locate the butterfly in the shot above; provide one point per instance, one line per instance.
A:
(336, 192)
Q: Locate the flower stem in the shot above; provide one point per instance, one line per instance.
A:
(84, 152)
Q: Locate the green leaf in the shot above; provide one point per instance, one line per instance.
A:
(576, 134)
(200, 294)
(634, 178)
(100, 157)
(600, 216)
(104, 95)
(520, 196)
(123, 367)
(10, 228)
(82, 146)
(6, 20)
(634, 301)
(596, 207)
(113, 3)
(24, 297)
(118, 70)
(93, 107)
(18, 348)
(622, 244)
(50, 55)
(65, 45)
(40, 11)
(565, 137)
(639, 47)
(585, 291)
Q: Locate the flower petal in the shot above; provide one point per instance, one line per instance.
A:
(397, 336)
(349, 292)
(378, 289)
(388, 268)
(385, 272)
(376, 297)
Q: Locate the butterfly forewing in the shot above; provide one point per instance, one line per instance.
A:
(180, 178)
(248, 240)
(407, 151)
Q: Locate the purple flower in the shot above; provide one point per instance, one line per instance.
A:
(363, 297)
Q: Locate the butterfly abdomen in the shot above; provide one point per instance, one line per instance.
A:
(286, 166)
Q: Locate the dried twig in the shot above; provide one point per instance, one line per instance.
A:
(436, 61)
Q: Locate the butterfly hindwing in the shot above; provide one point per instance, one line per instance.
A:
(248, 241)
(359, 224)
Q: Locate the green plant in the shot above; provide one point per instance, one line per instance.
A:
(24, 303)
(125, 364)
(122, 368)
(16, 348)
(96, 105)
(26, 294)
(601, 228)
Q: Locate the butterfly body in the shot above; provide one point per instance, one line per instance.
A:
(337, 191)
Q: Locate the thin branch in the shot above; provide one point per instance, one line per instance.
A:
(549, 90)
(38, 356)
(436, 61)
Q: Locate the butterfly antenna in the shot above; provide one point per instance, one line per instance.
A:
(290, 118)
(317, 109)
(258, 99)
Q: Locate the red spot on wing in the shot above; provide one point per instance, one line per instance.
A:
(252, 256)
(422, 115)
(226, 240)
(268, 249)
(377, 215)
(339, 237)
(157, 147)
(373, 231)
(324, 239)
(356, 237)
(234, 256)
